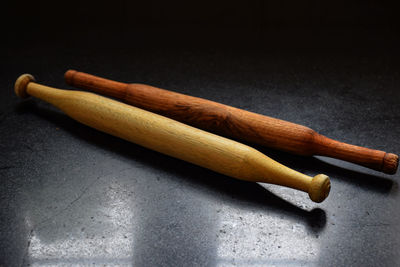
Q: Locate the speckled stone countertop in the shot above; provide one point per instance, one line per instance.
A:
(70, 195)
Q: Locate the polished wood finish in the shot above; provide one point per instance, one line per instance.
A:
(173, 138)
(235, 123)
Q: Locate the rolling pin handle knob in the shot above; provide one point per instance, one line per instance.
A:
(21, 85)
(319, 188)
(69, 76)
(390, 163)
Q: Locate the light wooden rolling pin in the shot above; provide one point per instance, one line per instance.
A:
(173, 138)
(235, 123)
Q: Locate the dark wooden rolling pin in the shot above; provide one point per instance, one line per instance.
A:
(233, 122)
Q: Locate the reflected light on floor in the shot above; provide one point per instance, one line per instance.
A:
(254, 239)
(109, 242)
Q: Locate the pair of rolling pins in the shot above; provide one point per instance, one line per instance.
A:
(173, 138)
(196, 146)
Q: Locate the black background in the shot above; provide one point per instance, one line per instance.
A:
(67, 191)
(211, 24)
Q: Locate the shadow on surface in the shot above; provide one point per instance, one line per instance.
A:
(240, 193)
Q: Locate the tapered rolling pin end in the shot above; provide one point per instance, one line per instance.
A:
(69, 76)
(390, 163)
(21, 85)
(319, 188)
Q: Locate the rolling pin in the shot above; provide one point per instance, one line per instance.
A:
(173, 138)
(234, 123)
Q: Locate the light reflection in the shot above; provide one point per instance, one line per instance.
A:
(106, 239)
(250, 238)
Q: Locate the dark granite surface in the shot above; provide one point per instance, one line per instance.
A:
(70, 195)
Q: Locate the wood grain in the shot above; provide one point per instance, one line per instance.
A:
(235, 123)
(173, 138)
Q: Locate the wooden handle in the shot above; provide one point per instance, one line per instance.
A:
(174, 138)
(235, 123)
